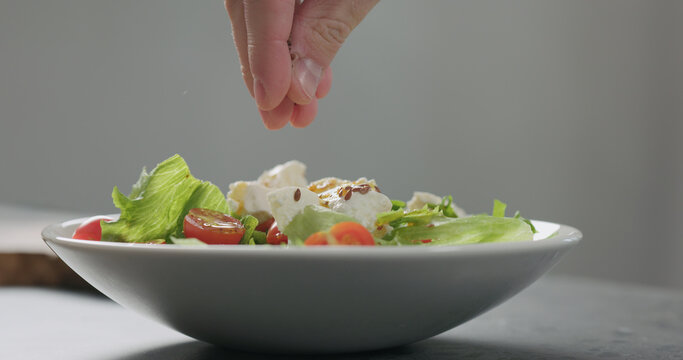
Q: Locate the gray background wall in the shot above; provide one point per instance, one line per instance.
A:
(568, 110)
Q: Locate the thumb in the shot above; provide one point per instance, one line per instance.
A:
(319, 29)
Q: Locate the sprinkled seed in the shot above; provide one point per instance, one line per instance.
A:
(348, 195)
(297, 194)
(364, 190)
(429, 225)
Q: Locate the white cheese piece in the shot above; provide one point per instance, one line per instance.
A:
(363, 207)
(420, 198)
(249, 197)
(325, 184)
(284, 205)
(291, 173)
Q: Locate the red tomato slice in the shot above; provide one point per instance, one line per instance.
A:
(91, 228)
(275, 237)
(344, 233)
(264, 226)
(319, 238)
(212, 227)
(351, 233)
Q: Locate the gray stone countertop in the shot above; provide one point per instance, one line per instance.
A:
(556, 318)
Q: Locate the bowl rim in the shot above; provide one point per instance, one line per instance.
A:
(565, 236)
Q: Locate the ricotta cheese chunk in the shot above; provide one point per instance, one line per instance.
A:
(251, 197)
(291, 173)
(358, 199)
(285, 204)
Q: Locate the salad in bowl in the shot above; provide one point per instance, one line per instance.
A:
(282, 265)
(168, 205)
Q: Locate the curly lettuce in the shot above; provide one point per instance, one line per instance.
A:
(159, 201)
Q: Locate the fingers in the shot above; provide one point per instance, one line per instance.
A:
(278, 79)
(319, 29)
(325, 84)
(278, 117)
(304, 115)
(268, 24)
(239, 36)
(299, 115)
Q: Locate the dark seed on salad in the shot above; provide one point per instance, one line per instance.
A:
(348, 195)
(297, 195)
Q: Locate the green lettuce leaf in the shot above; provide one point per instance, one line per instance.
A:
(399, 217)
(397, 204)
(249, 222)
(498, 208)
(259, 237)
(531, 225)
(389, 216)
(206, 196)
(312, 219)
(468, 230)
(159, 201)
(499, 211)
(446, 207)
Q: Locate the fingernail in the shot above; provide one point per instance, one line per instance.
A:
(308, 73)
(259, 92)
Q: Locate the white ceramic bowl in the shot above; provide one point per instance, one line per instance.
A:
(310, 300)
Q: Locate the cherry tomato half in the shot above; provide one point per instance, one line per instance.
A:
(264, 226)
(91, 228)
(351, 233)
(212, 227)
(275, 237)
(319, 238)
(344, 233)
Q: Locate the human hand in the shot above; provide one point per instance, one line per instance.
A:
(286, 47)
